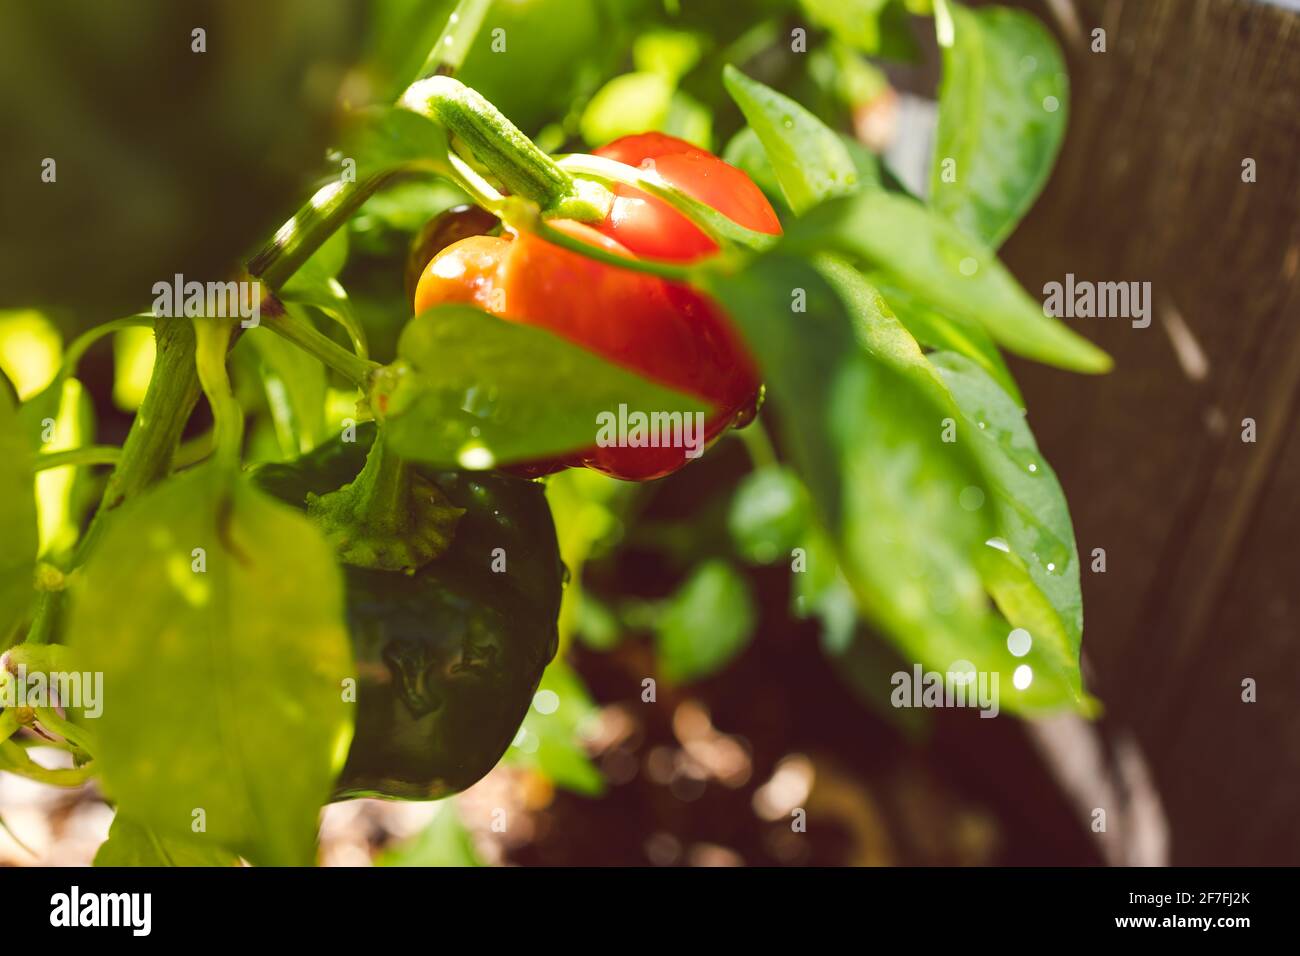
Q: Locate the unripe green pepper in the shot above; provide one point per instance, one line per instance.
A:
(448, 658)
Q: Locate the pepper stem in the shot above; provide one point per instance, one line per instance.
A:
(521, 166)
(212, 341)
(390, 517)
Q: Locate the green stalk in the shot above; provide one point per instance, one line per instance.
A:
(213, 340)
(172, 394)
(294, 328)
(456, 38)
(86, 455)
(523, 168)
(77, 348)
(326, 211)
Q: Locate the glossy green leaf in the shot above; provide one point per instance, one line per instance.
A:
(706, 623)
(810, 161)
(17, 520)
(942, 333)
(465, 393)
(550, 738)
(223, 667)
(932, 259)
(133, 357)
(876, 327)
(1002, 117)
(130, 844)
(1032, 514)
(444, 842)
(745, 151)
(904, 507)
(64, 494)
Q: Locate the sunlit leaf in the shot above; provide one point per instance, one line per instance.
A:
(1002, 117)
(934, 260)
(216, 617)
(810, 161)
(133, 355)
(443, 842)
(130, 844)
(17, 520)
(550, 738)
(465, 393)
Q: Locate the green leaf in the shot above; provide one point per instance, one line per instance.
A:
(444, 842)
(130, 844)
(769, 514)
(876, 327)
(1032, 514)
(466, 391)
(550, 738)
(133, 358)
(942, 333)
(223, 668)
(630, 103)
(932, 259)
(866, 432)
(586, 506)
(810, 160)
(329, 296)
(746, 153)
(702, 627)
(17, 520)
(1002, 117)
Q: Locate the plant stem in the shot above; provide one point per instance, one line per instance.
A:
(328, 209)
(294, 328)
(85, 455)
(523, 168)
(172, 394)
(758, 443)
(213, 340)
(334, 204)
(456, 38)
(77, 348)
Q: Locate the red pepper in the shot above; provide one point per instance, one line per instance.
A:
(663, 330)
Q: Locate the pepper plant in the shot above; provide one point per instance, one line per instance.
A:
(351, 585)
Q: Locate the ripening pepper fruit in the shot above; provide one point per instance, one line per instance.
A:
(663, 330)
(447, 658)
